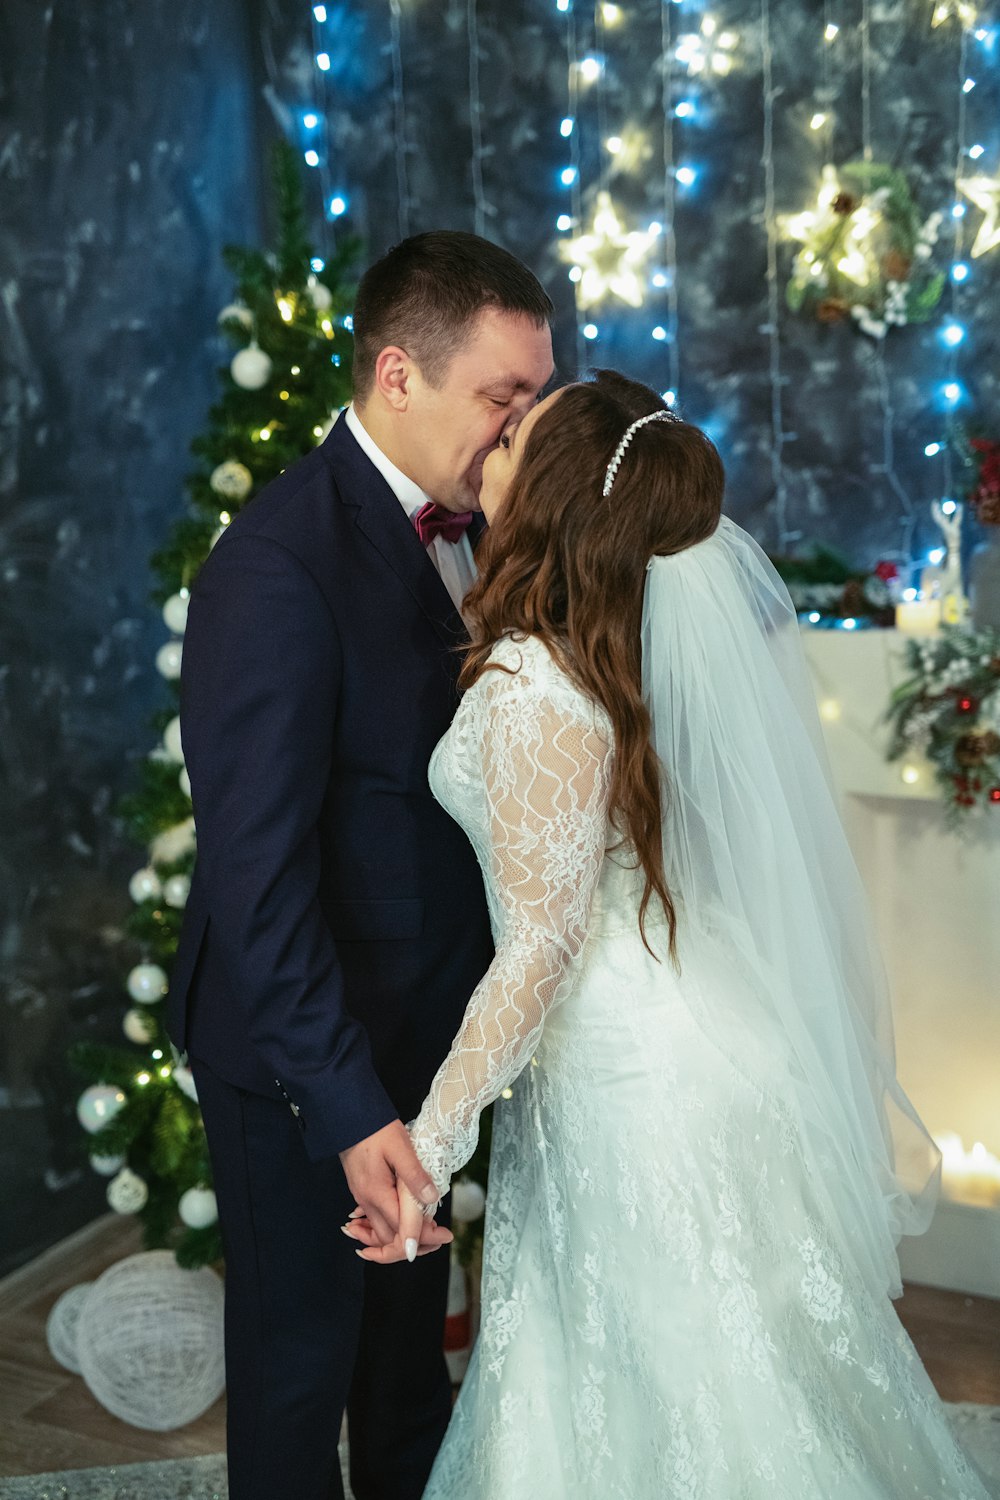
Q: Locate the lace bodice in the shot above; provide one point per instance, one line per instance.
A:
(525, 769)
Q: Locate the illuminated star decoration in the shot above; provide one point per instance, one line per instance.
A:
(608, 261)
(945, 9)
(984, 192)
(707, 50)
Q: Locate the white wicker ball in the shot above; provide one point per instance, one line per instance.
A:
(251, 368)
(168, 660)
(198, 1208)
(175, 613)
(184, 781)
(98, 1105)
(468, 1200)
(176, 891)
(106, 1166)
(139, 1026)
(172, 741)
(173, 843)
(147, 983)
(231, 480)
(60, 1330)
(128, 1192)
(144, 885)
(149, 1341)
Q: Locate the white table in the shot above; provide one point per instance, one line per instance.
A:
(936, 900)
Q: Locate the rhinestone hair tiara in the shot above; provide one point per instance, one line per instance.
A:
(629, 434)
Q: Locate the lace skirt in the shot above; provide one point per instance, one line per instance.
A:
(665, 1313)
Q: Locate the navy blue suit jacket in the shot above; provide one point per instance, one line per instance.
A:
(337, 924)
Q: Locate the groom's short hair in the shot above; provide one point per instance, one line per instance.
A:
(426, 294)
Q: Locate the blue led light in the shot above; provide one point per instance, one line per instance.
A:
(814, 617)
(659, 334)
(953, 334)
(660, 279)
(931, 449)
(670, 397)
(348, 323)
(312, 158)
(319, 11)
(952, 392)
(936, 556)
(849, 624)
(968, 85)
(567, 176)
(323, 61)
(564, 222)
(960, 271)
(317, 264)
(948, 507)
(310, 121)
(590, 330)
(686, 176)
(958, 211)
(338, 206)
(976, 152)
(566, 128)
(685, 109)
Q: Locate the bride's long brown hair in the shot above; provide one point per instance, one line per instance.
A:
(566, 564)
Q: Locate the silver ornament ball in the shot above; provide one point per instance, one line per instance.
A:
(251, 368)
(168, 660)
(145, 885)
(176, 889)
(198, 1208)
(98, 1105)
(232, 480)
(147, 983)
(175, 613)
(138, 1026)
(127, 1193)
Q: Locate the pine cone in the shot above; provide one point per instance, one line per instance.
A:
(845, 203)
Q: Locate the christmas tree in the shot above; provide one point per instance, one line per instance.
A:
(279, 396)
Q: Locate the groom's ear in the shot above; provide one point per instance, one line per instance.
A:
(393, 371)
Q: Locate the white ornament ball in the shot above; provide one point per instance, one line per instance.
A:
(319, 295)
(173, 843)
(147, 983)
(107, 1166)
(145, 885)
(138, 1026)
(239, 311)
(198, 1208)
(184, 1079)
(172, 741)
(98, 1105)
(168, 660)
(184, 781)
(175, 891)
(149, 1341)
(60, 1330)
(468, 1201)
(127, 1193)
(232, 480)
(175, 613)
(251, 368)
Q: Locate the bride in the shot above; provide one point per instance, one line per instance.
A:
(702, 1161)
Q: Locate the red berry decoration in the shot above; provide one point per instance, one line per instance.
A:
(994, 794)
(966, 705)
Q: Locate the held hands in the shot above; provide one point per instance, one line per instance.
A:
(394, 1196)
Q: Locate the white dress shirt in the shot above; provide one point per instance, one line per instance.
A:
(453, 560)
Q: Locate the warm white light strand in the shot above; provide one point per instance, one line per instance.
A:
(576, 190)
(670, 201)
(958, 243)
(399, 119)
(328, 238)
(778, 435)
(482, 208)
(887, 467)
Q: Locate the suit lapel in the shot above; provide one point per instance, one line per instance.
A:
(386, 526)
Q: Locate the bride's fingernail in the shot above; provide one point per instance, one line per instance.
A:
(346, 1229)
(411, 1250)
(356, 1213)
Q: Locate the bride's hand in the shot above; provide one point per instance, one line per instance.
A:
(418, 1233)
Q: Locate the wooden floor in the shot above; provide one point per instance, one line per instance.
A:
(49, 1420)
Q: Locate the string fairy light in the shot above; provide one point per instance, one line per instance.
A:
(570, 175)
(779, 437)
(482, 208)
(672, 394)
(399, 118)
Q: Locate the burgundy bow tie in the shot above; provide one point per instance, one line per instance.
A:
(433, 520)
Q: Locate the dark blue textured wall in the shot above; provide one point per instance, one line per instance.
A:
(127, 157)
(130, 143)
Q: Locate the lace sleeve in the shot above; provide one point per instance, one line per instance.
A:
(546, 769)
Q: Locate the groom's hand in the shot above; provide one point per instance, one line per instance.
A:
(373, 1168)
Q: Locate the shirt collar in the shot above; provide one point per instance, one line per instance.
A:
(409, 494)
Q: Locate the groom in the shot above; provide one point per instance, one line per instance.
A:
(336, 925)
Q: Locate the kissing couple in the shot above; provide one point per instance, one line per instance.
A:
(509, 786)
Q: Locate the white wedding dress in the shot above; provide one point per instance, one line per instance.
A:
(665, 1309)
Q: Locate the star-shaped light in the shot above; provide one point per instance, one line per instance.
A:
(984, 192)
(945, 9)
(707, 50)
(608, 260)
